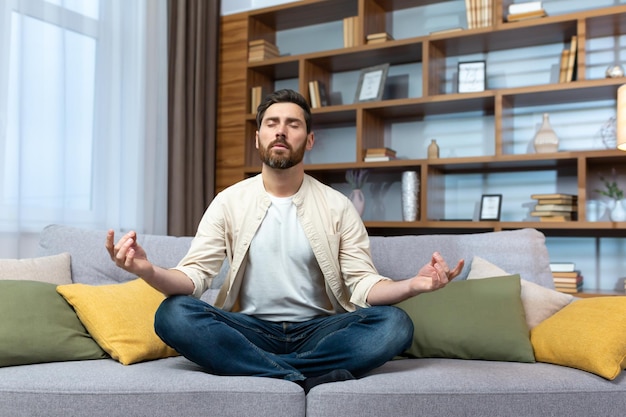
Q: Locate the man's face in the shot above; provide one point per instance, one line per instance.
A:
(282, 139)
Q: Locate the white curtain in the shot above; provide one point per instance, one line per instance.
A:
(83, 117)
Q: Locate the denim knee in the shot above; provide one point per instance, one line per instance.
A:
(168, 316)
(403, 325)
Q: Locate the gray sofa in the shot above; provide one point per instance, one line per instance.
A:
(409, 387)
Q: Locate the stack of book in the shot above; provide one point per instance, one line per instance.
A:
(566, 277)
(260, 49)
(479, 13)
(378, 37)
(567, 68)
(350, 28)
(555, 207)
(317, 93)
(526, 10)
(379, 154)
(256, 94)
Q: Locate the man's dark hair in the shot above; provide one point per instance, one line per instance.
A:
(284, 96)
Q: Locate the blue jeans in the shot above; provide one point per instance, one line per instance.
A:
(226, 343)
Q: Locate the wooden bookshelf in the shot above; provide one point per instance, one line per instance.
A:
(237, 157)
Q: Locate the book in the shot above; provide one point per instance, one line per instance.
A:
(563, 66)
(313, 95)
(569, 290)
(378, 37)
(321, 93)
(261, 49)
(469, 12)
(443, 31)
(350, 31)
(317, 94)
(553, 195)
(527, 15)
(556, 207)
(566, 274)
(256, 95)
(571, 60)
(549, 213)
(562, 266)
(378, 158)
(380, 152)
(555, 201)
(555, 218)
(529, 6)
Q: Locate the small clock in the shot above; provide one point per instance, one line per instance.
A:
(472, 76)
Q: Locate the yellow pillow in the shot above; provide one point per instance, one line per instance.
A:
(587, 334)
(120, 318)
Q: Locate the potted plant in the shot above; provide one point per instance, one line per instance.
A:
(615, 195)
(356, 178)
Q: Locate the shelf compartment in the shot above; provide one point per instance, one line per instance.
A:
(306, 13)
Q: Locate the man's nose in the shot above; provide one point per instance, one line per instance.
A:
(280, 130)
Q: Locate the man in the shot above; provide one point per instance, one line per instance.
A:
(302, 300)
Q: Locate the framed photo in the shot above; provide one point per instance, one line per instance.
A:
(472, 76)
(490, 206)
(371, 83)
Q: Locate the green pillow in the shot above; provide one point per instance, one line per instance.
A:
(475, 319)
(38, 325)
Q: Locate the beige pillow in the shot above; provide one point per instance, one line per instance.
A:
(53, 269)
(539, 302)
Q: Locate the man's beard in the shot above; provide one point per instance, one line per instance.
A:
(281, 159)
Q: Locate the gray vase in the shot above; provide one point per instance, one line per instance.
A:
(410, 196)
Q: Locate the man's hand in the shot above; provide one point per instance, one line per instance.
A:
(129, 255)
(435, 274)
(432, 276)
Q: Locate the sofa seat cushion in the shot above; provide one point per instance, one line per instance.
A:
(160, 388)
(454, 387)
(471, 319)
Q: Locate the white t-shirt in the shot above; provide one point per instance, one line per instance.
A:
(283, 281)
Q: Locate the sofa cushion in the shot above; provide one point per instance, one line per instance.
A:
(588, 334)
(539, 302)
(54, 269)
(37, 325)
(120, 317)
(471, 319)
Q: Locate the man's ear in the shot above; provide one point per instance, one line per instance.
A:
(256, 139)
(310, 141)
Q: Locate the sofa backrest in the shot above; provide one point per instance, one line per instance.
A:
(520, 251)
(90, 262)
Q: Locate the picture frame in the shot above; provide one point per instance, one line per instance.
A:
(472, 76)
(371, 83)
(490, 207)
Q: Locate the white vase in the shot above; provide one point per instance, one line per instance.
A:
(410, 193)
(617, 213)
(545, 139)
(358, 199)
